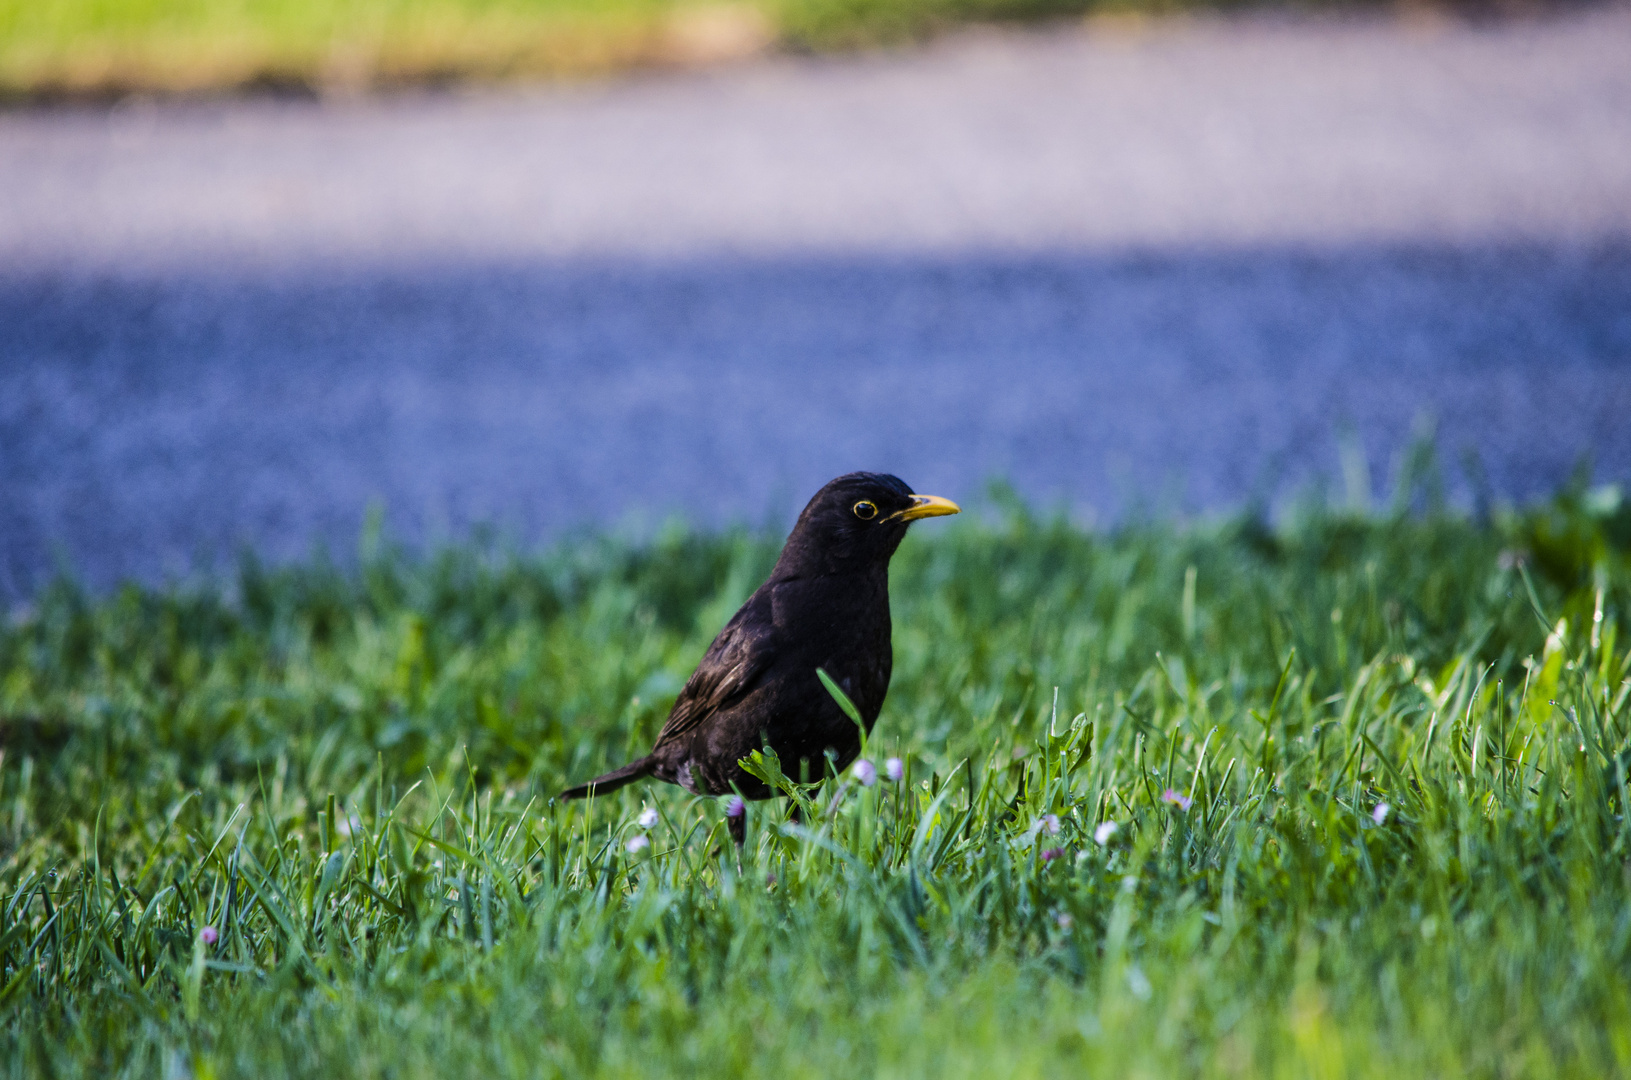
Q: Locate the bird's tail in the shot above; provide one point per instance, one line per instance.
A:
(605, 785)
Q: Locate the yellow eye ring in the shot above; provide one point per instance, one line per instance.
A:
(865, 510)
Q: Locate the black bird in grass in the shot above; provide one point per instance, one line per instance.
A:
(825, 606)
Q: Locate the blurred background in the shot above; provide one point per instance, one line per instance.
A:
(548, 265)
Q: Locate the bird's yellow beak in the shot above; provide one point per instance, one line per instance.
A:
(925, 506)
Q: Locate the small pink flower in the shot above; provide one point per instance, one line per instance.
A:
(208, 935)
(1052, 854)
(1182, 802)
(647, 818)
(1064, 920)
(865, 772)
(1102, 834)
(1050, 824)
(894, 768)
(735, 807)
(638, 843)
(1379, 815)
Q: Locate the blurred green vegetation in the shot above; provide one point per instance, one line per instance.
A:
(298, 821)
(116, 46)
(108, 48)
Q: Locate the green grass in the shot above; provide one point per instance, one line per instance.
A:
(112, 47)
(115, 46)
(346, 774)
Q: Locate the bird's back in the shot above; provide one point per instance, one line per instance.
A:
(757, 684)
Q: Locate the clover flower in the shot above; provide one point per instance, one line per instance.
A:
(208, 935)
(865, 772)
(1049, 824)
(894, 768)
(1064, 920)
(1052, 854)
(1182, 802)
(647, 818)
(1104, 832)
(638, 843)
(735, 807)
(1379, 815)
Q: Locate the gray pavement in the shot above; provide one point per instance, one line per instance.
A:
(1110, 264)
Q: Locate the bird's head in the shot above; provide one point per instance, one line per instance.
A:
(857, 520)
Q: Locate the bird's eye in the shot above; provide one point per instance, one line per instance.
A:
(865, 510)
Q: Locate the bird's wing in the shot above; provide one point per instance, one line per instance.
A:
(731, 667)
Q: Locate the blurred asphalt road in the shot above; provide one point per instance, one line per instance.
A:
(1107, 264)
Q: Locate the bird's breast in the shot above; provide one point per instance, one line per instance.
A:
(841, 625)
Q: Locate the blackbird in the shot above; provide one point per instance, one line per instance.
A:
(826, 605)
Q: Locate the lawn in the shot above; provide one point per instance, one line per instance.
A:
(105, 48)
(1338, 796)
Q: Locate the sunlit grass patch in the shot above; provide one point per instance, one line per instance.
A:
(109, 48)
(89, 47)
(300, 822)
